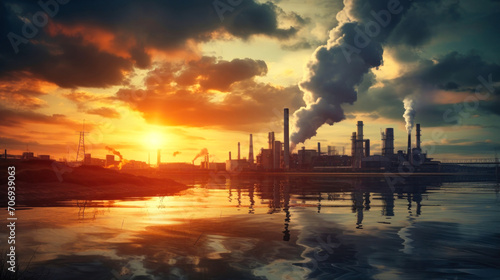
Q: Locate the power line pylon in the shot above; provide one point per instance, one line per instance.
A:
(81, 145)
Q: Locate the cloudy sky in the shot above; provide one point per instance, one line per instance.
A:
(185, 75)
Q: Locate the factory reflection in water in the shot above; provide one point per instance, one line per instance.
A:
(283, 194)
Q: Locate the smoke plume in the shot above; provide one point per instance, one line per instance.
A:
(337, 68)
(203, 152)
(409, 114)
(175, 153)
(115, 152)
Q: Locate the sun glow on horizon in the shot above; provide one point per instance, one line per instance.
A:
(155, 140)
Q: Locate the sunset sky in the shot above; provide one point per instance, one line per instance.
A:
(185, 75)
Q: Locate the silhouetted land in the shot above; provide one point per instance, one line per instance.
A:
(41, 183)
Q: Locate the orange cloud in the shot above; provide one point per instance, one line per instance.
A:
(104, 112)
(451, 97)
(19, 118)
(184, 95)
(20, 90)
(104, 40)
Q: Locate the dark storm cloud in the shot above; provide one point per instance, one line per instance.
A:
(454, 72)
(444, 84)
(259, 19)
(168, 24)
(423, 20)
(96, 43)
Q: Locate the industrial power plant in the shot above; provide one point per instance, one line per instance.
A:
(278, 157)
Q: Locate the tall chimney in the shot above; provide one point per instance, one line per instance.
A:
(353, 144)
(250, 151)
(319, 149)
(271, 140)
(360, 130)
(409, 147)
(158, 157)
(229, 155)
(367, 148)
(277, 155)
(238, 150)
(271, 145)
(418, 136)
(286, 139)
(5, 154)
(360, 143)
(388, 142)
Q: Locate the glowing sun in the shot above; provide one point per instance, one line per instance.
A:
(155, 140)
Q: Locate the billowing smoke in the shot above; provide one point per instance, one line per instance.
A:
(203, 152)
(175, 153)
(336, 69)
(409, 114)
(115, 152)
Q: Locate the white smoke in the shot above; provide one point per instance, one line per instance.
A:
(203, 152)
(410, 112)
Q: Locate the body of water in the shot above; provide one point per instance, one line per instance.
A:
(272, 228)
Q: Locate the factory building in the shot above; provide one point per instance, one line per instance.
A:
(277, 156)
(110, 160)
(241, 164)
(28, 156)
(44, 157)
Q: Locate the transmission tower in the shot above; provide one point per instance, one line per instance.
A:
(81, 145)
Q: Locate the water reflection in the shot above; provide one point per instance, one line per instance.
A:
(286, 203)
(295, 228)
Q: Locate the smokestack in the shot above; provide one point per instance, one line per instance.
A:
(359, 141)
(353, 144)
(238, 150)
(229, 155)
(158, 157)
(286, 139)
(367, 148)
(250, 151)
(409, 147)
(319, 149)
(277, 154)
(5, 154)
(388, 142)
(418, 136)
(360, 130)
(271, 146)
(271, 140)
